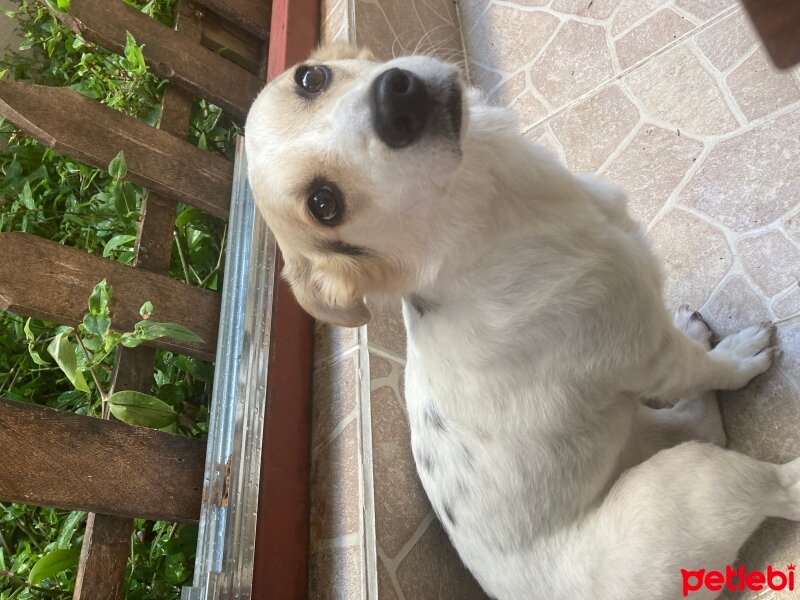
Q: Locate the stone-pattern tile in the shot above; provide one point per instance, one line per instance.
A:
(559, 80)
(751, 179)
(648, 179)
(432, 569)
(675, 88)
(788, 305)
(593, 129)
(733, 307)
(655, 33)
(705, 9)
(336, 574)
(397, 515)
(759, 88)
(335, 394)
(392, 28)
(335, 491)
(771, 260)
(728, 41)
(525, 34)
(386, 329)
(694, 255)
(330, 340)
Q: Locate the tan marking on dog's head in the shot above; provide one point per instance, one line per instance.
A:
(343, 206)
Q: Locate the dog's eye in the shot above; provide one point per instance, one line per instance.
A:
(326, 205)
(312, 78)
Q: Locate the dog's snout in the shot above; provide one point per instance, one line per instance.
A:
(401, 106)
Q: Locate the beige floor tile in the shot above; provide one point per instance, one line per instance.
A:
(663, 28)
(642, 170)
(675, 88)
(752, 179)
(561, 81)
(591, 130)
(728, 41)
(759, 88)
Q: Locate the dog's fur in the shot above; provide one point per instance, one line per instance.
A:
(536, 330)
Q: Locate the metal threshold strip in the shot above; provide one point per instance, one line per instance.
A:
(229, 511)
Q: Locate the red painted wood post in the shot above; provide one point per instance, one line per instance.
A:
(282, 541)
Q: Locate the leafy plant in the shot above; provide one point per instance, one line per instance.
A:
(47, 194)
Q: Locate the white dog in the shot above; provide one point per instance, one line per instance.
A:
(536, 328)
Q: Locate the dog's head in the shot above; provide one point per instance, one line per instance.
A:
(350, 160)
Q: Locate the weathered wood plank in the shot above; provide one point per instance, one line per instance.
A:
(75, 462)
(106, 544)
(104, 558)
(237, 46)
(90, 132)
(44, 279)
(778, 24)
(251, 15)
(281, 556)
(168, 54)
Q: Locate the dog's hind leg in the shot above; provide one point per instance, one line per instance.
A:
(690, 507)
(688, 419)
(680, 367)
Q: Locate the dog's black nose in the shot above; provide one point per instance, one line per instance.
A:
(400, 107)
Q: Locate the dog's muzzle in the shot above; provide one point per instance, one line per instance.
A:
(401, 107)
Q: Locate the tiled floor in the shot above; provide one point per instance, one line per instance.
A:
(676, 101)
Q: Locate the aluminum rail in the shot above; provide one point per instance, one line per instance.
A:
(229, 511)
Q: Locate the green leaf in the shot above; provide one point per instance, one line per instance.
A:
(68, 528)
(64, 354)
(136, 408)
(99, 299)
(31, 350)
(96, 324)
(134, 55)
(26, 196)
(117, 168)
(124, 197)
(53, 563)
(63, 4)
(149, 330)
(146, 310)
(117, 241)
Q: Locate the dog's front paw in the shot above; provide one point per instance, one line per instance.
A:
(747, 353)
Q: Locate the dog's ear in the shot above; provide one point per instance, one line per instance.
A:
(327, 293)
(341, 51)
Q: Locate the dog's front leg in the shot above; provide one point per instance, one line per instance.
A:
(680, 367)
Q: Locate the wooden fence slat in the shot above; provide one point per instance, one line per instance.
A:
(88, 131)
(104, 558)
(106, 543)
(168, 54)
(75, 462)
(251, 15)
(237, 46)
(44, 279)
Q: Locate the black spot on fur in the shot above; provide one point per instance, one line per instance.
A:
(434, 419)
(421, 305)
(448, 512)
(340, 247)
(427, 463)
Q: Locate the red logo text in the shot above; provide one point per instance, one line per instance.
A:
(738, 580)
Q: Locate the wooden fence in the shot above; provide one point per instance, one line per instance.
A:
(114, 470)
